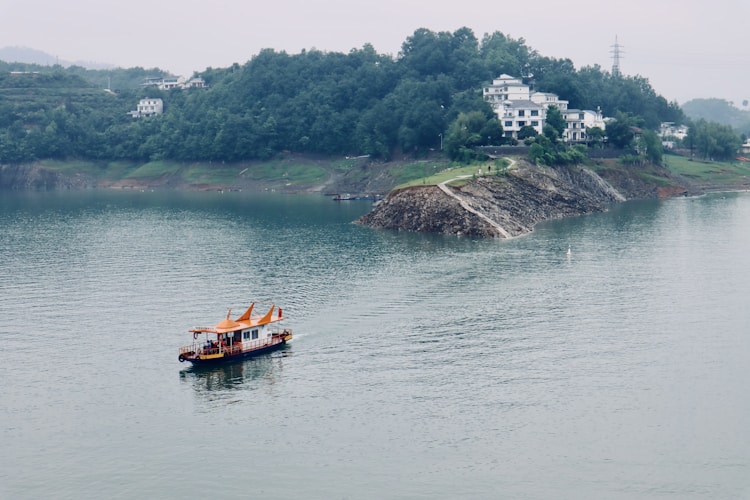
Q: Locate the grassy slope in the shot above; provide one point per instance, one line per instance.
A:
(710, 174)
(299, 171)
(430, 174)
(273, 172)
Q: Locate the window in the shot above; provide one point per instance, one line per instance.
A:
(521, 112)
(255, 334)
(521, 124)
(534, 123)
(245, 335)
(508, 123)
(580, 116)
(534, 112)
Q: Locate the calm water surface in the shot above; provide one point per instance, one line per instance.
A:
(423, 367)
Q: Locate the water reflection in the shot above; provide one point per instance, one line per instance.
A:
(216, 382)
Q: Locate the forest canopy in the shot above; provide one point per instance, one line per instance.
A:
(360, 103)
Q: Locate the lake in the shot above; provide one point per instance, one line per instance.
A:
(423, 366)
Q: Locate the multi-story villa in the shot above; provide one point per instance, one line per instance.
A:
(148, 107)
(669, 129)
(175, 83)
(578, 120)
(518, 106)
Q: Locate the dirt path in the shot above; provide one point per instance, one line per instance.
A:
(465, 205)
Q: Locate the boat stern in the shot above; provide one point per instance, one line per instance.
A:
(285, 335)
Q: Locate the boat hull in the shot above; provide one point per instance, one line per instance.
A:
(206, 361)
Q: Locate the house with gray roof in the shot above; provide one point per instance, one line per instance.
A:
(517, 105)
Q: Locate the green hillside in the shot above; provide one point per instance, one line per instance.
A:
(315, 103)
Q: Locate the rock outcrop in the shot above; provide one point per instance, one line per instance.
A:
(33, 177)
(504, 205)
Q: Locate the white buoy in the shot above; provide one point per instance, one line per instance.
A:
(568, 250)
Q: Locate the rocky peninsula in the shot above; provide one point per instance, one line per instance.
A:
(510, 203)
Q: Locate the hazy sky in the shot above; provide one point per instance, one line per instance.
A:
(686, 48)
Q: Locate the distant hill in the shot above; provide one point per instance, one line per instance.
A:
(101, 75)
(32, 56)
(719, 111)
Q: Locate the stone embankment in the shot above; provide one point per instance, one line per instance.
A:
(496, 206)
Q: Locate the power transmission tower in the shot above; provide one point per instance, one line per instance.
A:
(616, 55)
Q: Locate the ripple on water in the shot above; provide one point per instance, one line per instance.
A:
(434, 367)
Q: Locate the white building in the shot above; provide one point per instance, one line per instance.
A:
(669, 129)
(194, 83)
(578, 120)
(506, 88)
(148, 107)
(175, 83)
(547, 99)
(511, 100)
(514, 115)
(517, 106)
(170, 83)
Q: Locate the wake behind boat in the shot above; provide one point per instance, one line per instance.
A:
(246, 336)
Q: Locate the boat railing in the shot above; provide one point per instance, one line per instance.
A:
(217, 348)
(187, 349)
(202, 348)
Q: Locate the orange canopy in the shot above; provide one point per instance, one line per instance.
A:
(246, 320)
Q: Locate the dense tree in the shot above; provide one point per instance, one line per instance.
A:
(592, 88)
(502, 54)
(621, 131)
(713, 141)
(556, 120)
(595, 136)
(549, 151)
(361, 102)
(527, 131)
(470, 130)
(649, 145)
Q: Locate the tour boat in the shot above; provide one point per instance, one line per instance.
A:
(246, 336)
(345, 197)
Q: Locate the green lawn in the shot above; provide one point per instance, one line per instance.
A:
(429, 174)
(283, 173)
(154, 169)
(203, 173)
(288, 173)
(114, 170)
(709, 173)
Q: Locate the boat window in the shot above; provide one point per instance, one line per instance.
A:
(255, 334)
(246, 334)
